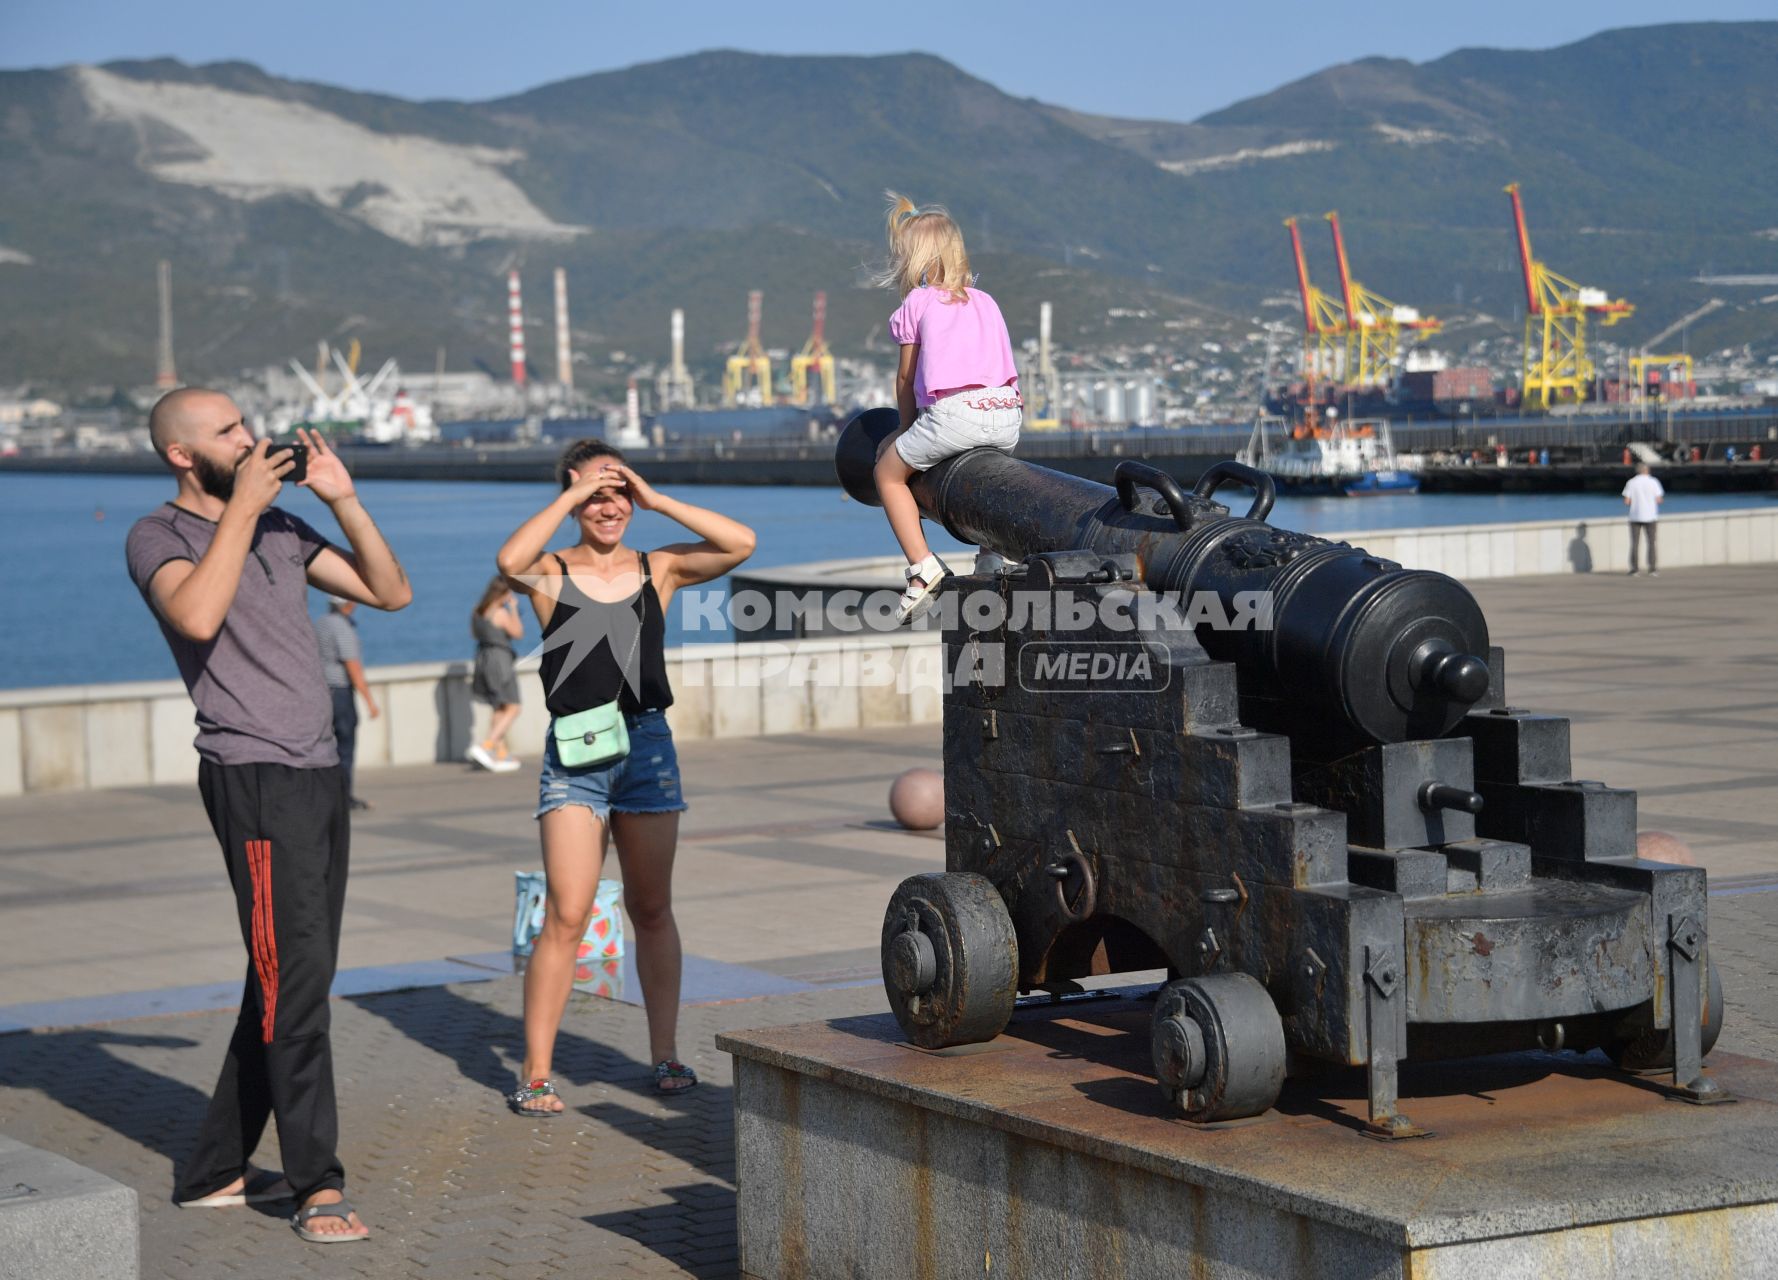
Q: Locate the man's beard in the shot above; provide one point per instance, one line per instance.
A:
(215, 479)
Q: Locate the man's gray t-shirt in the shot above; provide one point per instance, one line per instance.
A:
(338, 637)
(257, 686)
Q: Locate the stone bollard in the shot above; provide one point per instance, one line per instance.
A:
(59, 1221)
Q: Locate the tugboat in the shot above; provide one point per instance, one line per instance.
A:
(1355, 459)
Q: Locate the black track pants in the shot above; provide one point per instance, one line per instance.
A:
(284, 835)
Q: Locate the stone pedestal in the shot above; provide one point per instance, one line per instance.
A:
(1045, 1153)
(59, 1221)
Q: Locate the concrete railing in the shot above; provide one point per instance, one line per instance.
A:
(125, 735)
(128, 735)
(1472, 551)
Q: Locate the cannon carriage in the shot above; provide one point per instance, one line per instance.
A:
(1285, 771)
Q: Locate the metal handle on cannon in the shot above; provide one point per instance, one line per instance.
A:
(1264, 491)
(1131, 473)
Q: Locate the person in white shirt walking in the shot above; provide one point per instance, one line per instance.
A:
(1643, 494)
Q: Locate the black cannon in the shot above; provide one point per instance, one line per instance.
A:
(1308, 801)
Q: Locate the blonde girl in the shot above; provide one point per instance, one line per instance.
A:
(956, 387)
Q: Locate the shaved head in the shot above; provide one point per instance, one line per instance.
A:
(176, 415)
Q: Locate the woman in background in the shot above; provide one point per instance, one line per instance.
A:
(495, 624)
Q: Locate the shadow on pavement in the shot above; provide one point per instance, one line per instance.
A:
(78, 1069)
(697, 1230)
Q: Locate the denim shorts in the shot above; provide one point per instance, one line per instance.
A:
(644, 781)
(984, 417)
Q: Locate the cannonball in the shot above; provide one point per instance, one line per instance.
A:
(917, 799)
(1661, 846)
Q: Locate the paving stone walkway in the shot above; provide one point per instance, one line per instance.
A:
(785, 865)
(626, 1182)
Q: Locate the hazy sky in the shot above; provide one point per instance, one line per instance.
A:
(1137, 58)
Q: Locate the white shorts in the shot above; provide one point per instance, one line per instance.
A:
(987, 417)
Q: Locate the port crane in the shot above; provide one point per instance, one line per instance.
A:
(816, 356)
(1672, 376)
(1557, 365)
(1324, 322)
(1374, 325)
(751, 362)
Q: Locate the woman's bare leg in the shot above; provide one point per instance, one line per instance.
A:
(500, 725)
(573, 854)
(646, 843)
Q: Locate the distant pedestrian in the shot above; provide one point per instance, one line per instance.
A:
(342, 666)
(956, 387)
(1643, 495)
(227, 576)
(602, 606)
(495, 624)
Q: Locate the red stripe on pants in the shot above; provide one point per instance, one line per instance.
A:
(265, 937)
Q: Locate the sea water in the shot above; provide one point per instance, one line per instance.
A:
(70, 615)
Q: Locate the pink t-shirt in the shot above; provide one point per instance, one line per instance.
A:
(962, 344)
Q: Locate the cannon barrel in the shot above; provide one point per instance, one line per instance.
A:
(1381, 653)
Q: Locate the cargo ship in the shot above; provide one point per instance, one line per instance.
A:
(1316, 457)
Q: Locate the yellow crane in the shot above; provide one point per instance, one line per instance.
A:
(1374, 325)
(1324, 323)
(1665, 366)
(750, 362)
(1557, 366)
(816, 356)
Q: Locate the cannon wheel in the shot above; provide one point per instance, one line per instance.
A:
(950, 959)
(1653, 1050)
(1218, 1047)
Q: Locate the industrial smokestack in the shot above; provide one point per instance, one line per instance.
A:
(516, 313)
(632, 413)
(1043, 335)
(564, 357)
(165, 376)
(673, 387)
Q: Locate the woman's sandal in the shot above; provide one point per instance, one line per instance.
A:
(530, 1093)
(669, 1069)
(341, 1209)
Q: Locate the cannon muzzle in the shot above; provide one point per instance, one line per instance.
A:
(1357, 648)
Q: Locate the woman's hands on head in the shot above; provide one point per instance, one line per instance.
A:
(607, 473)
(603, 473)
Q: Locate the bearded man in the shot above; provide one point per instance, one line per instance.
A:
(227, 575)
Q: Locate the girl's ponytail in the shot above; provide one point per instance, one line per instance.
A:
(925, 247)
(900, 209)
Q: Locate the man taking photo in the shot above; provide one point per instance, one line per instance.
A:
(227, 575)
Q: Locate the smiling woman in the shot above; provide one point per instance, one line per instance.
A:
(608, 758)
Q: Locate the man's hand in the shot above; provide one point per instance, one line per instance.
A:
(259, 479)
(328, 478)
(370, 705)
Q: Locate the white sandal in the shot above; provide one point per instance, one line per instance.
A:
(917, 599)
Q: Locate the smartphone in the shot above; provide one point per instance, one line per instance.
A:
(299, 454)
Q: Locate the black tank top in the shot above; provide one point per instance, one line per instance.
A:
(596, 676)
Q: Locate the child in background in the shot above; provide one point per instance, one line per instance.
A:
(956, 387)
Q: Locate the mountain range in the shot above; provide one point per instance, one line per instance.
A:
(295, 211)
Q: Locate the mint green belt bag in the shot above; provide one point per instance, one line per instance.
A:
(592, 737)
